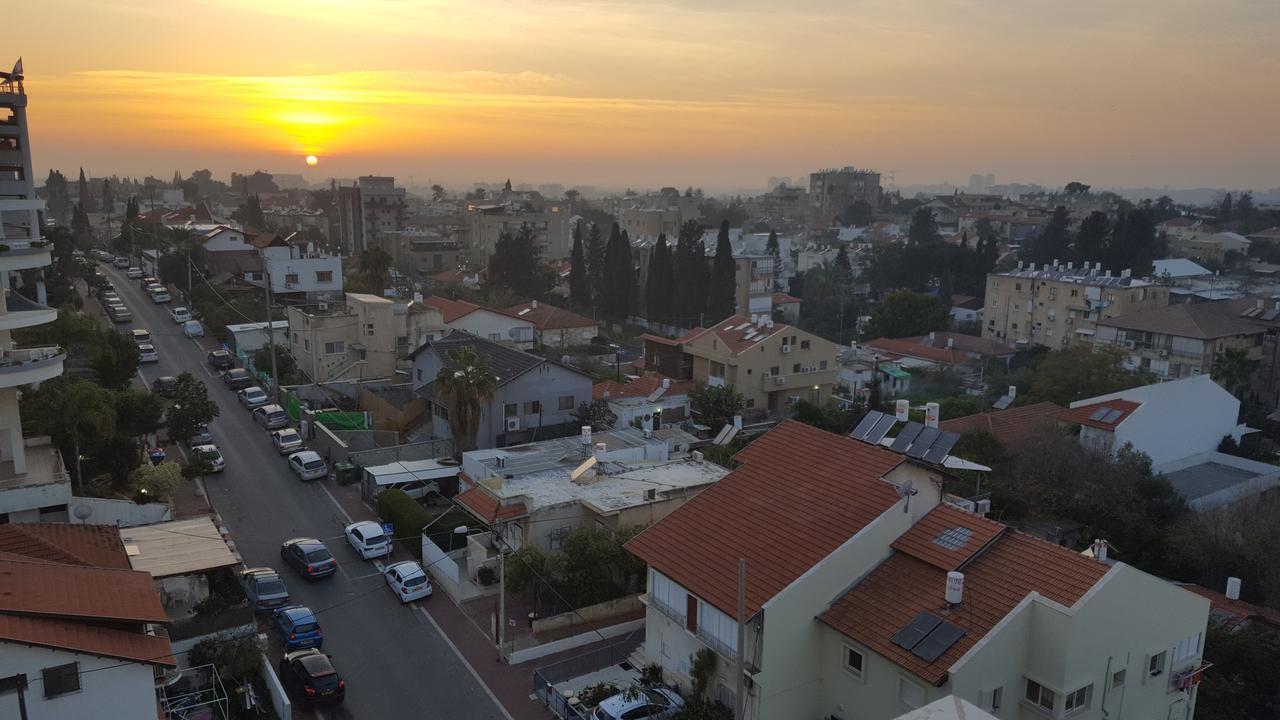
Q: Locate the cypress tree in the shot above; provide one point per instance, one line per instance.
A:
(595, 265)
(579, 283)
(108, 198)
(842, 260)
(619, 278)
(722, 301)
(688, 277)
(772, 247)
(82, 185)
(659, 286)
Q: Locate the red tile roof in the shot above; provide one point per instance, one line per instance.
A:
(1010, 426)
(733, 331)
(82, 637)
(549, 317)
(35, 587)
(676, 341)
(451, 309)
(947, 537)
(94, 545)
(798, 494)
(996, 580)
(1080, 415)
(936, 349)
(1235, 611)
(643, 386)
(487, 508)
(783, 299)
(903, 347)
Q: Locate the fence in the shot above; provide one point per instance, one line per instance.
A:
(545, 678)
(442, 567)
(279, 698)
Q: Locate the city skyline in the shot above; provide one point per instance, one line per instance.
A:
(720, 95)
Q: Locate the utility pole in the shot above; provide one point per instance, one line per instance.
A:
(271, 335)
(739, 699)
(501, 632)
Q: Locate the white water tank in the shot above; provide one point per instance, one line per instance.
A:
(932, 413)
(902, 410)
(955, 588)
(1233, 588)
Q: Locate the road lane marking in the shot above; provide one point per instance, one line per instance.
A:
(335, 502)
(479, 681)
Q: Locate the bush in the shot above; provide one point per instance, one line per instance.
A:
(700, 709)
(702, 669)
(486, 575)
(408, 517)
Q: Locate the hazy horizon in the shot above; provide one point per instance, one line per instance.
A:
(650, 93)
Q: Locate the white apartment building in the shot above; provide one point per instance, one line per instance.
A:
(296, 266)
(866, 596)
(364, 337)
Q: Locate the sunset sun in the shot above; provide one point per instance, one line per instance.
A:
(312, 160)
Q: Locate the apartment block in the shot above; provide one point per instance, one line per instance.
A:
(422, 252)
(485, 223)
(755, 279)
(365, 336)
(372, 206)
(832, 191)
(1059, 305)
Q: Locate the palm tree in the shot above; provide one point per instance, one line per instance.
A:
(465, 384)
(1232, 368)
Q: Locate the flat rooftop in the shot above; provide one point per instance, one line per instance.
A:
(44, 467)
(1207, 478)
(177, 548)
(616, 485)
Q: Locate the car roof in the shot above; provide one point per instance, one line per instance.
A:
(365, 525)
(268, 408)
(317, 664)
(148, 346)
(618, 704)
(237, 371)
(259, 572)
(306, 456)
(305, 543)
(208, 447)
(299, 614)
(413, 567)
(219, 352)
(166, 378)
(284, 431)
(140, 331)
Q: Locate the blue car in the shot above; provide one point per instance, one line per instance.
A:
(298, 628)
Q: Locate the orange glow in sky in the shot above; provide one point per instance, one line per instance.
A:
(659, 92)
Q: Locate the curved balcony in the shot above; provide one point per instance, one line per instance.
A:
(25, 366)
(24, 254)
(21, 312)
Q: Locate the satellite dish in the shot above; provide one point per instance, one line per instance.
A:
(82, 512)
(906, 490)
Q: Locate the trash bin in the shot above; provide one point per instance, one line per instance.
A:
(347, 473)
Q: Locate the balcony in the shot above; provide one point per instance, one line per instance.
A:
(797, 381)
(25, 366)
(23, 252)
(21, 312)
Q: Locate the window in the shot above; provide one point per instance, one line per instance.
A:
(910, 694)
(822, 365)
(1117, 678)
(1053, 293)
(324, 276)
(566, 402)
(853, 661)
(775, 371)
(291, 279)
(1039, 695)
(717, 369)
(335, 348)
(804, 344)
(1186, 649)
(306, 345)
(60, 679)
(419, 371)
(496, 337)
(795, 368)
(1155, 663)
(1075, 292)
(533, 408)
(1078, 700)
(1017, 286)
(750, 403)
(510, 409)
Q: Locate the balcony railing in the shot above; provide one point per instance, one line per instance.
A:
(30, 358)
(794, 381)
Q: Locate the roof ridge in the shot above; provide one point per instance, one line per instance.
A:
(36, 537)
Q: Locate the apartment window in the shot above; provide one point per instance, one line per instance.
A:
(995, 284)
(334, 348)
(853, 662)
(1075, 292)
(1155, 663)
(368, 328)
(717, 369)
(775, 370)
(750, 403)
(291, 279)
(533, 408)
(804, 344)
(496, 337)
(510, 409)
(795, 368)
(1039, 695)
(1111, 297)
(419, 371)
(60, 679)
(306, 345)
(1117, 679)
(910, 695)
(1053, 293)
(442, 412)
(295, 338)
(324, 276)
(1078, 700)
(1017, 286)
(566, 402)
(822, 365)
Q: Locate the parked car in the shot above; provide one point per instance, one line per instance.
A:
(119, 314)
(147, 353)
(298, 628)
(308, 465)
(108, 297)
(149, 285)
(309, 676)
(202, 436)
(140, 335)
(286, 441)
(193, 329)
(221, 359)
(132, 273)
(641, 703)
(252, 397)
(368, 539)
(210, 454)
(408, 580)
(309, 557)
(121, 262)
(147, 281)
(237, 378)
(264, 588)
(270, 416)
(180, 314)
(160, 297)
(166, 386)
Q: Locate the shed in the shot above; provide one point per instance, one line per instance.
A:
(248, 337)
(415, 477)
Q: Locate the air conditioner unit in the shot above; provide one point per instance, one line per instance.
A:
(968, 505)
(513, 423)
(982, 507)
(1129, 344)
(779, 380)
(786, 349)
(1164, 353)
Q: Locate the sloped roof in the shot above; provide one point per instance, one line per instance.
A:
(507, 363)
(737, 332)
(549, 317)
(785, 299)
(1233, 612)
(1010, 426)
(833, 488)
(1083, 414)
(454, 309)
(88, 545)
(947, 537)
(996, 580)
(1177, 268)
(235, 262)
(35, 587)
(643, 386)
(486, 506)
(81, 637)
(1202, 321)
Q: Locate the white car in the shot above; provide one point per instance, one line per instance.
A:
(140, 336)
(180, 314)
(368, 539)
(211, 455)
(286, 441)
(252, 397)
(308, 465)
(193, 329)
(132, 273)
(160, 296)
(147, 353)
(646, 703)
(408, 580)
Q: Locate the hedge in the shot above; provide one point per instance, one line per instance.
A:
(408, 517)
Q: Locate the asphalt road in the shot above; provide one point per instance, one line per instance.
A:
(395, 662)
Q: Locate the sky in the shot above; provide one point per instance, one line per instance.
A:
(720, 94)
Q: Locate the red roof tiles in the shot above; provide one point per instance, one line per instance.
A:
(785, 299)
(1080, 415)
(798, 494)
(487, 507)
(1010, 426)
(947, 537)
(35, 587)
(1235, 611)
(451, 309)
(733, 331)
(96, 545)
(549, 317)
(643, 386)
(81, 637)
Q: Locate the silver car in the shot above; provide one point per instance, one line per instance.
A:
(308, 465)
(252, 397)
(286, 441)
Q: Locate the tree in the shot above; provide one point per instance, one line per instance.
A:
(619, 276)
(859, 214)
(597, 414)
(689, 271)
(1076, 188)
(466, 384)
(108, 198)
(842, 260)
(438, 193)
(517, 264)
(579, 282)
(116, 361)
(716, 405)
(80, 228)
(722, 300)
(1224, 209)
(907, 314)
(156, 483)
(659, 291)
(286, 365)
(58, 197)
(595, 264)
(138, 413)
(250, 213)
(772, 248)
(1079, 372)
(1242, 683)
(72, 412)
(191, 408)
(924, 227)
(1091, 240)
(82, 190)
(829, 308)
(1054, 242)
(1134, 243)
(375, 266)
(1232, 369)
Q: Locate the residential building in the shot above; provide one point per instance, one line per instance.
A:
(495, 325)
(1210, 248)
(1176, 271)
(772, 364)
(651, 222)
(244, 339)
(365, 337)
(1271, 234)
(787, 308)
(484, 223)
(755, 277)
(832, 191)
(966, 308)
(942, 349)
(1059, 306)
(422, 252)
(372, 206)
(535, 398)
(556, 327)
(296, 219)
(80, 632)
(1182, 340)
(620, 480)
(1234, 615)
(651, 397)
(943, 602)
(33, 483)
(1011, 426)
(299, 270)
(1185, 228)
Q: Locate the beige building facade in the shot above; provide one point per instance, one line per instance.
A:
(485, 223)
(365, 337)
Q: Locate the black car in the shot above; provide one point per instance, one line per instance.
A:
(221, 359)
(310, 676)
(309, 556)
(166, 386)
(237, 379)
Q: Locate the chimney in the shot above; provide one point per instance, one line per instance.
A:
(1070, 265)
(1258, 303)
(902, 410)
(932, 337)
(1097, 267)
(1013, 391)
(586, 434)
(1126, 273)
(1019, 264)
(1099, 548)
(601, 449)
(1108, 273)
(605, 396)
(1233, 588)
(931, 414)
(955, 588)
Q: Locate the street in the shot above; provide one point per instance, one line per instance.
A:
(395, 661)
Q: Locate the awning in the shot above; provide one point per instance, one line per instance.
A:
(177, 548)
(1085, 331)
(894, 371)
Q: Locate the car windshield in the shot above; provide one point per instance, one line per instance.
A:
(415, 581)
(270, 587)
(655, 697)
(320, 555)
(289, 437)
(314, 465)
(306, 628)
(327, 681)
(374, 538)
